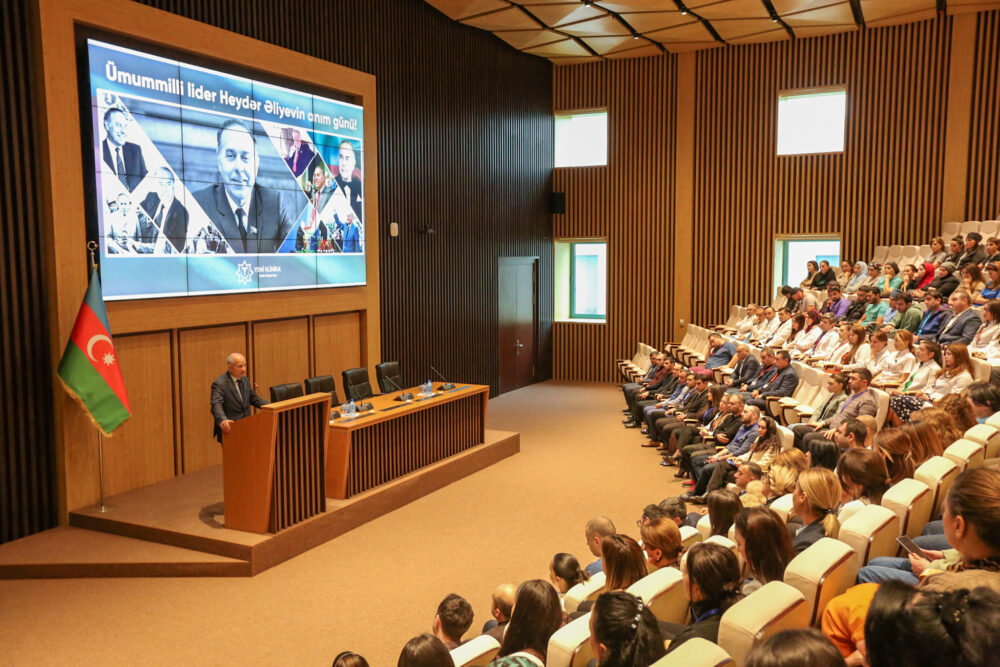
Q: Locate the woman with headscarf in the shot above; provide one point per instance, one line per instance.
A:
(858, 278)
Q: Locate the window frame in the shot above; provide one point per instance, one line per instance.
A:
(780, 269)
(564, 282)
(583, 112)
(787, 92)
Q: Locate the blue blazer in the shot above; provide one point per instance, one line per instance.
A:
(784, 383)
(963, 330)
(745, 370)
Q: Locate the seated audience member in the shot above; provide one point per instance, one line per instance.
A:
(712, 583)
(721, 468)
(879, 345)
(857, 309)
(753, 496)
(812, 268)
(782, 384)
(860, 352)
(651, 512)
(858, 277)
(911, 278)
(766, 326)
(861, 401)
(938, 251)
(984, 399)
(783, 331)
(652, 412)
(780, 479)
(624, 632)
(349, 659)
(910, 626)
(723, 506)
(565, 573)
(863, 480)
(765, 373)
(720, 351)
(624, 564)
(972, 282)
(453, 619)
(503, 601)
(650, 396)
(924, 441)
(962, 326)
(934, 316)
(954, 377)
(798, 326)
(835, 385)
(974, 252)
(680, 434)
(828, 339)
(928, 356)
(745, 325)
(841, 348)
(765, 545)
(801, 647)
(825, 278)
(957, 407)
(851, 434)
(740, 443)
(808, 337)
(802, 301)
(875, 309)
(745, 369)
(956, 248)
(721, 431)
(908, 314)
(897, 363)
(989, 330)
(661, 542)
(815, 501)
(972, 525)
(896, 449)
(425, 650)
(537, 614)
(745, 475)
(597, 529)
(693, 407)
(945, 281)
(675, 509)
(874, 273)
(944, 424)
(992, 250)
(846, 271)
(629, 389)
(889, 280)
(991, 290)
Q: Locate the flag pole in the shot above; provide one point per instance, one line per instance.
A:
(101, 506)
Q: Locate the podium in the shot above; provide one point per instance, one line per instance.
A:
(274, 465)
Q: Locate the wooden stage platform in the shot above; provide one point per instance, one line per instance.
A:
(175, 528)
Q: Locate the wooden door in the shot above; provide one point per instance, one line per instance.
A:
(517, 321)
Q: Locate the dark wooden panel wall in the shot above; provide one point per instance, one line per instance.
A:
(629, 202)
(27, 456)
(464, 137)
(983, 201)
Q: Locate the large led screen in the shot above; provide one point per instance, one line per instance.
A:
(211, 183)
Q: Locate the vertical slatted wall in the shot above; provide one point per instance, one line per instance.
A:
(465, 146)
(27, 449)
(631, 203)
(983, 202)
(886, 187)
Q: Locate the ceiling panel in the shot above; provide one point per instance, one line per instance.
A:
(730, 29)
(553, 15)
(650, 21)
(505, 19)
(833, 15)
(605, 45)
(725, 9)
(622, 6)
(567, 47)
(690, 32)
(606, 25)
(459, 9)
(967, 6)
(525, 39)
(638, 52)
(889, 12)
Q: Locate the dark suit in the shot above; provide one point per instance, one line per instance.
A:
(227, 404)
(267, 221)
(962, 329)
(353, 191)
(299, 160)
(745, 371)
(135, 165)
(783, 384)
(173, 224)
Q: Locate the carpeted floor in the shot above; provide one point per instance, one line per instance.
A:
(375, 587)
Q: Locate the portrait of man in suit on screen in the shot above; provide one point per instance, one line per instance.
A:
(347, 178)
(121, 156)
(232, 395)
(314, 230)
(298, 153)
(250, 217)
(167, 214)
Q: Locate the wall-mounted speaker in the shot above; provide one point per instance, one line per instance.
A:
(558, 203)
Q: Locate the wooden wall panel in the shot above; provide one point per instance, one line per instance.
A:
(983, 201)
(630, 203)
(886, 187)
(204, 352)
(280, 353)
(141, 452)
(335, 346)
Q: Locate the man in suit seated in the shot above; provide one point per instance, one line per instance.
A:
(122, 157)
(745, 369)
(232, 395)
(962, 326)
(167, 214)
(251, 217)
(782, 384)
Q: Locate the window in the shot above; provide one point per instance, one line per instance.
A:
(811, 121)
(581, 279)
(581, 138)
(792, 254)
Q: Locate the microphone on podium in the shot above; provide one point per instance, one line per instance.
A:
(447, 386)
(404, 396)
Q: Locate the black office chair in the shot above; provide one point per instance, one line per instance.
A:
(282, 392)
(390, 370)
(357, 385)
(323, 384)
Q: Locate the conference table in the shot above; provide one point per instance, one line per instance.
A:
(395, 438)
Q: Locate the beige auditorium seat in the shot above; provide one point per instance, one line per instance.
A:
(966, 453)
(950, 229)
(787, 438)
(782, 506)
(969, 226)
(774, 607)
(938, 473)
(695, 652)
(871, 532)
(896, 254)
(922, 253)
(569, 646)
(663, 592)
(986, 435)
(586, 590)
(879, 254)
(912, 501)
(823, 571)
(477, 652)
(690, 535)
(989, 228)
(882, 398)
(729, 543)
(982, 370)
(705, 527)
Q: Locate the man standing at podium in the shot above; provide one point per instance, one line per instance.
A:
(232, 395)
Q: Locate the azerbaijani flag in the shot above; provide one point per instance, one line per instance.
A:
(89, 368)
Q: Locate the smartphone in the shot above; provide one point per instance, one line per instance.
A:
(912, 548)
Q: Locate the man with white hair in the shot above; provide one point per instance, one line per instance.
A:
(232, 395)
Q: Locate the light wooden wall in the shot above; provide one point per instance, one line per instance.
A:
(922, 148)
(630, 203)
